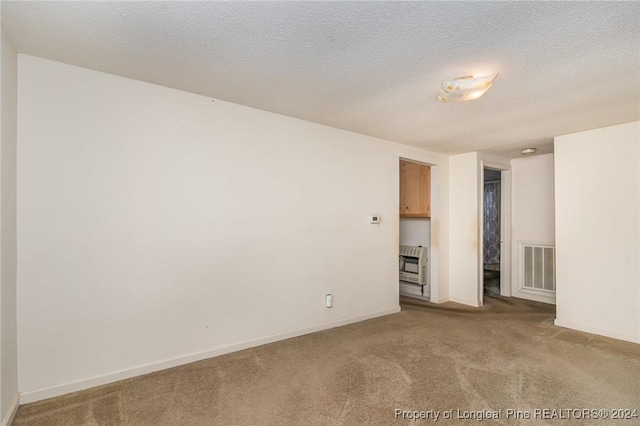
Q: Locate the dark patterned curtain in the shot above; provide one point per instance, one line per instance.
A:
(492, 222)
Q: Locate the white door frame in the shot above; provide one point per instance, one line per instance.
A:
(505, 229)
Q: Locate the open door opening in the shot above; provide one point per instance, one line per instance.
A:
(415, 230)
(492, 232)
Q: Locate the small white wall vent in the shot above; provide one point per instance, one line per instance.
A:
(538, 267)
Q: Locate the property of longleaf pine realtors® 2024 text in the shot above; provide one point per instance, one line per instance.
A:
(513, 414)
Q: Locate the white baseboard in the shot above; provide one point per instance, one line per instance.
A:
(543, 297)
(593, 330)
(13, 409)
(421, 297)
(472, 303)
(415, 296)
(53, 391)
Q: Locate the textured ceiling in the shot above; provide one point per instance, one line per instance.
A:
(372, 67)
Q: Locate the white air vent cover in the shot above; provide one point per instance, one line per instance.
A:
(538, 267)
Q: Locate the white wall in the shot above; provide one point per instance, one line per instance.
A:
(439, 230)
(465, 217)
(8, 263)
(532, 213)
(158, 227)
(464, 198)
(415, 232)
(597, 189)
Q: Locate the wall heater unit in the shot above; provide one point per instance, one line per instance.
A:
(413, 264)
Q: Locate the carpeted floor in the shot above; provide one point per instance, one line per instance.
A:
(506, 355)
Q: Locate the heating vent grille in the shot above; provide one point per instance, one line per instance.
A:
(411, 251)
(539, 267)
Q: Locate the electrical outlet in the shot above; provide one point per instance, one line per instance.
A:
(328, 300)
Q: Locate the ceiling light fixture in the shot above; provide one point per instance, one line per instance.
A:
(528, 151)
(464, 88)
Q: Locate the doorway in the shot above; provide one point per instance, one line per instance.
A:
(492, 232)
(415, 230)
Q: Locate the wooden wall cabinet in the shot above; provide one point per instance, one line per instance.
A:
(415, 190)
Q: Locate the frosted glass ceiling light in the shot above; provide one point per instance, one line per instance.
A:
(464, 88)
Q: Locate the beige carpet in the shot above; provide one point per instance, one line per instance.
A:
(507, 355)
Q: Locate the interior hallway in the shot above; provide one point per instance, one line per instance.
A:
(506, 354)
